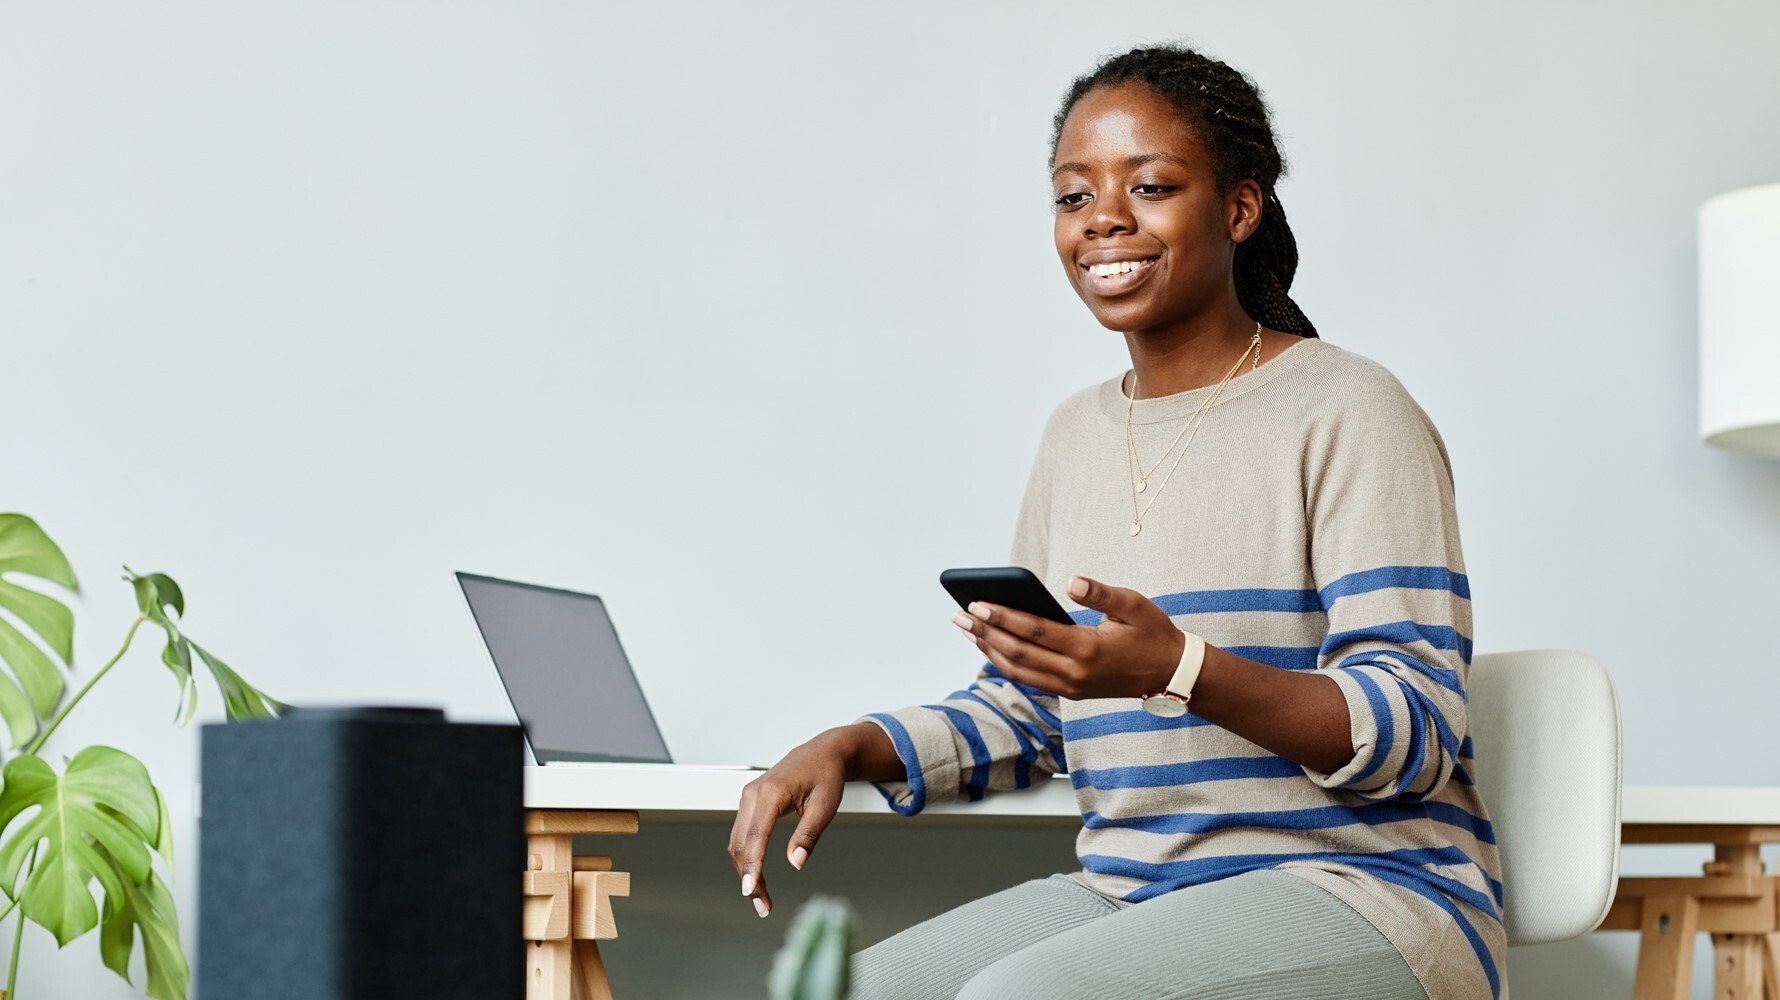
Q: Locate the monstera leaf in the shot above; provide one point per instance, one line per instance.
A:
(156, 594)
(147, 908)
(34, 686)
(98, 820)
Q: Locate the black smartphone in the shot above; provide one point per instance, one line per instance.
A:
(1009, 586)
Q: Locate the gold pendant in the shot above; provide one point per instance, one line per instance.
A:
(1141, 483)
(1134, 526)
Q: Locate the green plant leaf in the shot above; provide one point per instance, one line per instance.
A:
(178, 658)
(157, 592)
(241, 700)
(147, 908)
(164, 843)
(103, 800)
(25, 549)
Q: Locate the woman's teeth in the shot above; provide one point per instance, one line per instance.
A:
(1117, 267)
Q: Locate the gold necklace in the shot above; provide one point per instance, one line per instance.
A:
(1143, 480)
(1131, 459)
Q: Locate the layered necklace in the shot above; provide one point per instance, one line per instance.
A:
(1140, 481)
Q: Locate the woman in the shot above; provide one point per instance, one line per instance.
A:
(1310, 824)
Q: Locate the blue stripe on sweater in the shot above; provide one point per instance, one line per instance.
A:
(1199, 602)
(1398, 636)
(1036, 696)
(1421, 709)
(978, 783)
(1185, 772)
(1478, 947)
(1024, 733)
(1130, 721)
(1025, 730)
(911, 762)
(1313, 818)
(1168, 876)
(1382, 577)
(1381, 714)
(1401, 634)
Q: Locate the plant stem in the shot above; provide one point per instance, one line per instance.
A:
(18, 936)
(82, 693)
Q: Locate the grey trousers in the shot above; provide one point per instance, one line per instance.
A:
(1261, 935)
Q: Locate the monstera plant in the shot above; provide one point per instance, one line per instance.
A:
(101, 819)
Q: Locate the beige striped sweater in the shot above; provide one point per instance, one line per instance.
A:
(1310, 525)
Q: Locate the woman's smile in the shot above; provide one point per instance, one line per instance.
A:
(1117, 277)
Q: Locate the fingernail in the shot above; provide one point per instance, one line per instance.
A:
(963, 620)
(760, 906)
(747, 883)
(798, 857)
(1078, 587)
(979, 609)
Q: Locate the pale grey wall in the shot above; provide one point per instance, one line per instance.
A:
(747, 317)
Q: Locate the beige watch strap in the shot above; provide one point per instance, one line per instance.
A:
(1191, 659)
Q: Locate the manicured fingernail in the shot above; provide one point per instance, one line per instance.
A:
(798, 857)
(963, 620)
(979, 609)
(747, 883)
(1078, 587)
(760, 906)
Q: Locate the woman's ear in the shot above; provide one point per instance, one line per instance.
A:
(1245, 210)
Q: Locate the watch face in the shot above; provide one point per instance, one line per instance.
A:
(1157, 704)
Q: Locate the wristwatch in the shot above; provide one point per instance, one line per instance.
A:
(1171, 701)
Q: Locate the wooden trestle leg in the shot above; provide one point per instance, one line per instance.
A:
(568, 902)
(1734, 900)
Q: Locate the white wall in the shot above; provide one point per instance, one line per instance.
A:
(747, 317)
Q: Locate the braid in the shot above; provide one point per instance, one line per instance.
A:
(1229, 115)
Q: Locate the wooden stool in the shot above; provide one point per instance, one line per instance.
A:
(1734, 900)
(568, 902)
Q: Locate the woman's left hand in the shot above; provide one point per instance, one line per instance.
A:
(1132, 652)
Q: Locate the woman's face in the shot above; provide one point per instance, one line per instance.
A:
(1133, 187)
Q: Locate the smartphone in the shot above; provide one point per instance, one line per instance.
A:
(1009, 586)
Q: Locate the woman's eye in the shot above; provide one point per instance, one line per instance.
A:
(1064, 200)
(1159, 187)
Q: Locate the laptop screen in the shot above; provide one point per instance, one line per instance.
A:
(568, 678)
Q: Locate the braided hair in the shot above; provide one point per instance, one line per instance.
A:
(1226, 111)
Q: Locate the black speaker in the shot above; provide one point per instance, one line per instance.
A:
(360, 853)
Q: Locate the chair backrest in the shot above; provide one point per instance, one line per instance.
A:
(1545, 731)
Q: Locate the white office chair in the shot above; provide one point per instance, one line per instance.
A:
(1545, 726)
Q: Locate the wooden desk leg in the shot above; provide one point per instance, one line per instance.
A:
(1665, 947)
(591, 979)
(568, 903)
(1737, 965)
(1770, 965)
(549, 950)
(1739, 960)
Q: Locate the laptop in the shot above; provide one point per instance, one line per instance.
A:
(572, 688)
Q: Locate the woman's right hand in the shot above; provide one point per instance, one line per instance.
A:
(809, 779)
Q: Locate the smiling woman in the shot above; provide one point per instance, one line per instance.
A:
(1310, 825)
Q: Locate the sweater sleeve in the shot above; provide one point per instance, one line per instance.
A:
(994, 735)
(1389, 573)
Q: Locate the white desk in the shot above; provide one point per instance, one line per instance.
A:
(691, 792)
(1733, 899)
